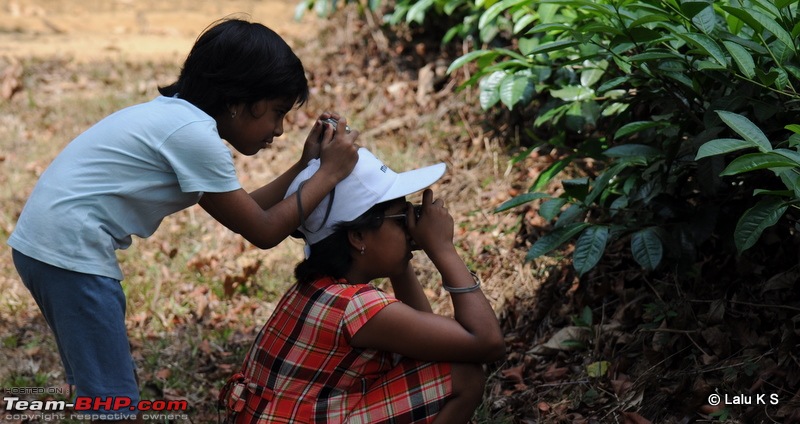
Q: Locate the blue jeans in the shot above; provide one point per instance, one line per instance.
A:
(87, 314)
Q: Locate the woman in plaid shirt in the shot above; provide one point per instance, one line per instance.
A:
(337, 349)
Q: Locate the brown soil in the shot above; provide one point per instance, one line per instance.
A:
(133, 29)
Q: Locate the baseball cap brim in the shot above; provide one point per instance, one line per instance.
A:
(410, 182)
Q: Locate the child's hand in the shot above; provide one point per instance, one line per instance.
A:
(320, 131)
(338, 149)
(433, 230)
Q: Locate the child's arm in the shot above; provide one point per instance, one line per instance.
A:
(264, 217)
(272, 193)
(473, 336)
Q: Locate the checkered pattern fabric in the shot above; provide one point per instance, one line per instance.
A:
(302, 369)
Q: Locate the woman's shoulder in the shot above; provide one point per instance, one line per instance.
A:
(342, 287)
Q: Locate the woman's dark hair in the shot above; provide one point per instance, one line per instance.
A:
(331, 256)
(236, 61)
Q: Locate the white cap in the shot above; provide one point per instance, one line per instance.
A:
(370, 183)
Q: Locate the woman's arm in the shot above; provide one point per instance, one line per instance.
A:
(473, 336)
(408, 290)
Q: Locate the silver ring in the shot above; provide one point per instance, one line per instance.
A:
(347, 129)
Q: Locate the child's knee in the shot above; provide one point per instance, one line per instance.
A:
(468, 380)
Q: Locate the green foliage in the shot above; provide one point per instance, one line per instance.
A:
(783, 163)
(640, 87)
(683, 106)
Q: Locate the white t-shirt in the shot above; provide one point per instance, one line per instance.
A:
(120, 178)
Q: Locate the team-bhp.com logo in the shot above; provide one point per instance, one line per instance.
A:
(93, 408)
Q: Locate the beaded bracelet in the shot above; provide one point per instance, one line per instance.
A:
(464, 289)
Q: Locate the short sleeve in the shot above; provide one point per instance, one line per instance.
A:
(200, 159)
(364, 304)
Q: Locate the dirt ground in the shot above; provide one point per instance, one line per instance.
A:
(95, 29)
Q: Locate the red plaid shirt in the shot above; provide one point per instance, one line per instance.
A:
(302, 368)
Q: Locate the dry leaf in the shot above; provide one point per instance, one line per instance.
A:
(163, 374)
(563, 340)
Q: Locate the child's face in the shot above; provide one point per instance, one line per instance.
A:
(254, 128)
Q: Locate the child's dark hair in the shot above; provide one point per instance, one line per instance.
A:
(331, 256)
(235, 61)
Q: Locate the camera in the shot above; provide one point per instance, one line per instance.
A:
(332, 122)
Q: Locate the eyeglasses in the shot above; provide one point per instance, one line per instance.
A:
(402, 217)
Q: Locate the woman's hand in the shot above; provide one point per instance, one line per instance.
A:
(433, 230)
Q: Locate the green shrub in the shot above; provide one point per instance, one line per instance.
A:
(638, 86)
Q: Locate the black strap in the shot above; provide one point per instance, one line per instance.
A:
(303, 215)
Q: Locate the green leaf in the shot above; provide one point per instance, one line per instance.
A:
(548, 173)
(795, 128)
(469, 57)
(598, 369)
(587, 317)
(706, 20)
(592, 72)
(756, 161)
(554, 239)
(654, 56)
(416, 13)
(576, 188)
(743, 15)
(632, 151)
(451, 6)
(643, 35)
(495, 10)
(516, 89)
(553, 46)
(769, 7)
(647, 248)
(523, 23)
(782, 81)
(634, 127)
(602, 181)
(792, 155)
(742, 58)
(520, 200)
(721, 146)
(490, 89)
(589, 248)
(611, 84)
(747, 129)
(707, 45)
(549, 209)
(755, 220)
(780, 4)
(573, 93)
(692, 8)
(771, 25)
(572, 214)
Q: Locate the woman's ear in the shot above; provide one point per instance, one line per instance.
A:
(356, 239)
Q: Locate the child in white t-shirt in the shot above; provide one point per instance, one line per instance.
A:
(130, 170)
